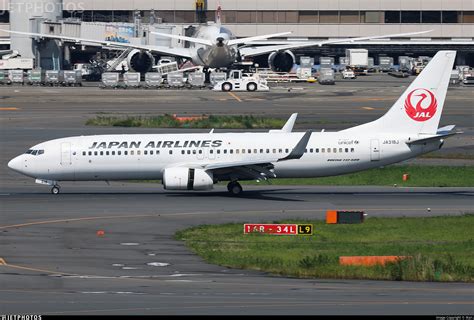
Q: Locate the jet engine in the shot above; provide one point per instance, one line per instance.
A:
(187, 179)
(140, 61)
(281, 61)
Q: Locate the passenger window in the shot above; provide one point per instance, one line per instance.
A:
(243, 151)
(274, 150)
(280, 150)
(200, 151)
(194, 151)
(218, 152)
(107, 153)
(211, 151)
(83, 153)
(125, 153)
(171, 152)
(261, 150)
(90, 153)
(113, 153)
(132, 152)
(286, 150)
(311, 150)
(157, 152)
(95, 153)
(119, 153)
(340, 150)
(225, 151)
(231, 151)
(151, 152)
(334, 150)
(352, 149)
(249, 151)
(305, 150)
(145, 152)
(139, 152)
(237, 151)
(323, 150)
(255, 151)
(184, 152)
(268, 150)
(347, 150)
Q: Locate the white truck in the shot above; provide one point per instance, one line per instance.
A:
(358, 60)
(239, 81)
(17, 64)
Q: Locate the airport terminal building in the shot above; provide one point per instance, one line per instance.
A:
(451, 21)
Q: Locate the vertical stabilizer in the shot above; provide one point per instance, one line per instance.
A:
(419, 108)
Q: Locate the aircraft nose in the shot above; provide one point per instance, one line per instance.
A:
(15, 164)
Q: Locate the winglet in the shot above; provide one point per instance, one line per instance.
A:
(288, 127)
(300, 148)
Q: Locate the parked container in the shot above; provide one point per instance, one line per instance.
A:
(326, 76)
(52, 78)
(153, 79)
(4, 79)
(131, 79)
(175, 79)
(197, 79)
(110, 79)
(72, 78)
(326, 63)
(35, 77)
(386, 64)
(217, 77)
(16, 76)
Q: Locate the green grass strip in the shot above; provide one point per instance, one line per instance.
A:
(442, 248)
(205, 122)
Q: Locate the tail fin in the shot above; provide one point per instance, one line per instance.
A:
(218, 13)
(419, 108)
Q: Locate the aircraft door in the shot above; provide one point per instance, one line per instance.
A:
(66, 154)
(374, 150)
(211, 154)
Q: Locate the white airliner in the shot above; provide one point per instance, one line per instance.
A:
(198, 161)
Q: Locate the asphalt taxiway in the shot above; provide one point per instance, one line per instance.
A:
(52, 261)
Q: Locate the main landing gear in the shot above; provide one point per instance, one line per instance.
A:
(55, 190)
(234, 188)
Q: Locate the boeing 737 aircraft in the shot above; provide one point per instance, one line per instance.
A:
(213, 46)
(198, 161)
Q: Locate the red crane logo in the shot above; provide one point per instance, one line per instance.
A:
(421, 105)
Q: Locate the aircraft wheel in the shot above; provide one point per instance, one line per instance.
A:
(251, 86)
(55, 190)
(226, 86)
(234, 188)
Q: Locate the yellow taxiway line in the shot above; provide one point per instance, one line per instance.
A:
(233, 95)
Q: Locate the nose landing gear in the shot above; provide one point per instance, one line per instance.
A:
(55, 190)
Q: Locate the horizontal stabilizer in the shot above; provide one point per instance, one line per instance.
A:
(446, 129)
(432, 139)
(256, 38)
(183, 38)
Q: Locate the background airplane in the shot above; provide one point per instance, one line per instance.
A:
(213, 46)
(199, 160)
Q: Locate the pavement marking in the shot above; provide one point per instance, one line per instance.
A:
(234, 96)
(8, 109)
(368, 108)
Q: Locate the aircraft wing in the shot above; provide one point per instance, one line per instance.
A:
(252, 50)
(259, 169)
(180, 52)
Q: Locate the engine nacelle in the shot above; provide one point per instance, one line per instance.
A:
(140, 61)
(281, 61)
(187, 179)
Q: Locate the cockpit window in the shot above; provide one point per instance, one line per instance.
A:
(35, 152)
